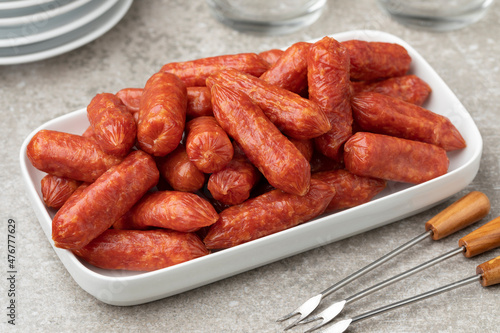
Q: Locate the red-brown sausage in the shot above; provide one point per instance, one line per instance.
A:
(56, 190)
(266, 214)
(295, 116)
(409, 88)
(76, 193)
(180, 172)
(232, 185)
(175, 210)
(198, 102)
(84, 217)
(290, 70)
(194, 72)
(207, 144)
(271, 56)
(264, 145)
(383, 114)
(69, 155)
(306, 147)
(350, 190)
(376, 60)
(391, 158)
(162, 114)
(131, 97)
(114, 126)
(141, 250)
(329, 87)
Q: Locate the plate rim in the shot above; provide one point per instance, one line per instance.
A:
(120, 10)
(59, 30)
(43, 15)
(20, 4)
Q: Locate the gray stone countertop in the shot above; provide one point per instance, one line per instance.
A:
(155, 32)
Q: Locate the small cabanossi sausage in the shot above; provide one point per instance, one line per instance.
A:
(266, 214)
(85, 216)
(114, 126)
(232, 185)
(350, 190)
(409, 88)
(162, 114)
(306, 147)
(195, 72)
(281, 163)
(131, 97)
(290, 70)
(56, 190)
(76, 193)
(175, 210)
(295, 116)
(384, 114)
(141, 250)
(198, 102)
(390, 158)
(207, 144)
(69, 155)
(179, 172)
(271, 56)
(329, 87)
(376, 60)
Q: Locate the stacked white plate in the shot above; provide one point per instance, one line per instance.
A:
(32, 30)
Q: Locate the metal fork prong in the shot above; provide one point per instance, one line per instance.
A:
(326, 315)
(295, 323)
(309, 319)
(288, 316)
(304, 310)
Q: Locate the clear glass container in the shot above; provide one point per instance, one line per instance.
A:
(267, 16)
(436, 15)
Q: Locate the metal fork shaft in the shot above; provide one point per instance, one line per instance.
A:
(403, 275)
(376, 263)
(333, 310)
(417, 298)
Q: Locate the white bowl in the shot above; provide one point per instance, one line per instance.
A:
(13, 37)
(395, 202)
(45, 12)
(67, 37)
(20, 7)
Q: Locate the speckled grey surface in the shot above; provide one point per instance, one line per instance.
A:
(155, 32)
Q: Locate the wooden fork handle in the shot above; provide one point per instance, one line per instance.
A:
(490, 272)
(483, 239)
(462, 213)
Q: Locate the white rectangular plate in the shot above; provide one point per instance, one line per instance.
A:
(395, 202)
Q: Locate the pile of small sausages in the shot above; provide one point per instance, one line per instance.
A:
(219, 151)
